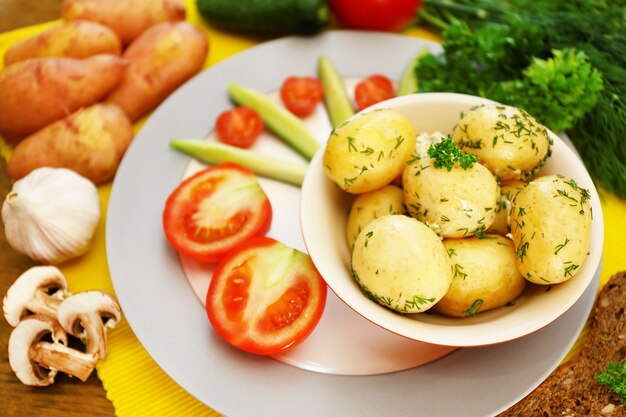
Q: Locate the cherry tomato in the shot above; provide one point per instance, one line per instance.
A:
(216, 210)
(385, 15)
(240, 126)
(372, 90)
(300, 95)
(265, 297)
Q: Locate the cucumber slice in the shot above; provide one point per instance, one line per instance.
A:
(338, 104)
(213, 153)
(278, 119)
(408, 80)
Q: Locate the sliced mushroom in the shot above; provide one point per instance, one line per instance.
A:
(39, 290)
(87, 315)
(38, 350)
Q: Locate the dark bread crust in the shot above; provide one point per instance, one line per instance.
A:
(571, 390)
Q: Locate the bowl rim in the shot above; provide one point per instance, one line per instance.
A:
(460, 332)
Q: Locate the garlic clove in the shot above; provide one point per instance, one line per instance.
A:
(51, 215)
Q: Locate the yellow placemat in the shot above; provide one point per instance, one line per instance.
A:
(134, 383)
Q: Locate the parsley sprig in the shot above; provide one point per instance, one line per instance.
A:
(615, 378)
(446, 153)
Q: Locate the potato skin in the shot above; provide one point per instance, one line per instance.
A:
(369, 151)
(39, 91)
(372, 205)
(507, 140)
(508, 192)
(551, 229)
(456, 203)
(160, 60)
(401, 264)
(485, 276)
(76, 39)
(127, 18)
(91, 142)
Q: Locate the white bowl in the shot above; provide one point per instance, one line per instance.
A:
(324, 210)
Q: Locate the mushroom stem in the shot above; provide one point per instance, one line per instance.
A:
(62, 358)
(46, 305)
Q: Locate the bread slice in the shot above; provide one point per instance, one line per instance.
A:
(572, 390)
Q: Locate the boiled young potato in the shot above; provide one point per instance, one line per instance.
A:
(372, 205)
(484, 276)
(551, 229)
(507, 140)
(369, 150)
(402, 264)
(456, 203)
(508, 192)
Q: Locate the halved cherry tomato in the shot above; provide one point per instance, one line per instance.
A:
(387, 15)
(372, 90)
(216, 210)
(265, 297)
(300, 95)
(240, 126)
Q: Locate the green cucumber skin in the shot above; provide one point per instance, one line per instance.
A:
(278, 119)
(304, 17)
(338, 104)
(210, 152)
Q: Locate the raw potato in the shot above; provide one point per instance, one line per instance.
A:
(372, 205)
(508, 192)
(39, 91)
(551, 228)
(91, 142)
(76, 39)
(127, 18)
(456, 203)
(484, 276)
(161, 59)
(507, 140)
(369, 151)
(401, 264)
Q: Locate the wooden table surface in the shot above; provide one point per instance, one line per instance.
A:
(67, 397)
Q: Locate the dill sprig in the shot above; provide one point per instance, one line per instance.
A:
(446, 153)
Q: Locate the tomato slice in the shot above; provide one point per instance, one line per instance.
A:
(239, 127)
(214, 211)
(265, 297)
(372, 90)
(301, 95)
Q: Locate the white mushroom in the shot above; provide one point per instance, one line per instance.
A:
(87, 315)
(38, 350)
(39, 290)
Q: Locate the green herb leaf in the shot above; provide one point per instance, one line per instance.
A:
(446, 153)
(614, 378)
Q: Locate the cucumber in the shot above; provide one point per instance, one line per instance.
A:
(213, 153)
(408, 80)
(278, 119)
(273, 17)
(338, 104)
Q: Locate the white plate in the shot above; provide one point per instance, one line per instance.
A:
(167, 318)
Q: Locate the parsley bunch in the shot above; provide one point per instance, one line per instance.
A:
(614, 378)
(446, 153)
(562, 61)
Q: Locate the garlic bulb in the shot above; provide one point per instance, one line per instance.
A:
(51, 215)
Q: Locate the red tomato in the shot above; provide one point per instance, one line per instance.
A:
(300, 95)
(372, 90)
(265, 298)
(216, 210)
(385, 15)
(240, 126)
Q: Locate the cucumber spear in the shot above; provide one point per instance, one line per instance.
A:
(213, 153)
